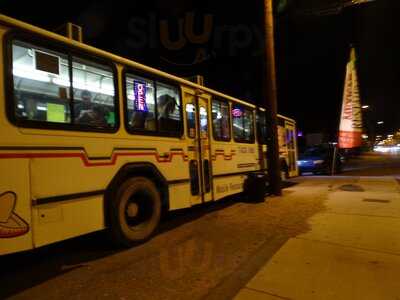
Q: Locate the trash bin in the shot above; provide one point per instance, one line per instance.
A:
(255, 187)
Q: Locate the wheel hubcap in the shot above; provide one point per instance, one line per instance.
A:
(132, 210)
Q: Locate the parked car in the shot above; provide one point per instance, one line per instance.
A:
(319, 160)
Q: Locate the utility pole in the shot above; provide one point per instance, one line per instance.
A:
(270, 101)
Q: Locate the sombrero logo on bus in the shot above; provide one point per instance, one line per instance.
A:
(139, 89)
(236, 113)
(11, 224)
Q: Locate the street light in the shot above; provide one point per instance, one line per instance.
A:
(380, 123)
(365, 106)
(355, 2)
(335, 8)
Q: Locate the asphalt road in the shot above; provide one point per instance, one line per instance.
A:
(206, 252)
(373, 164)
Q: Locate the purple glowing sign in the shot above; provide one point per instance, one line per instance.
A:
(236, 113)
(299, 134)
(139, 90)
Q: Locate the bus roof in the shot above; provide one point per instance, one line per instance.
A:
(286, 118)
(11, 22)
(280, 116)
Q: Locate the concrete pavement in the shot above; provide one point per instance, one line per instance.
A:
(352, 250)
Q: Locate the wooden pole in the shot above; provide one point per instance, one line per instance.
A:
(270, 100)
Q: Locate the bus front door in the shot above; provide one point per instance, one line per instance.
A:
(198, 135)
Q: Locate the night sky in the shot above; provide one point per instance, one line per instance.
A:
(312, 51)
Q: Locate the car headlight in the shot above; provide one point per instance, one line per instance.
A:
(318, 162)
(301, 162)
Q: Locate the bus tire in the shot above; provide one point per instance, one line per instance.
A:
(135, 212)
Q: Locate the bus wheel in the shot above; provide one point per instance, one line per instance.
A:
(135, 212)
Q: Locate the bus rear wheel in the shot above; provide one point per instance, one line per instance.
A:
(135, 211)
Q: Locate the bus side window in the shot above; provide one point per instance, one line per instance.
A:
(41, 84)
(220, 120)
(94, 94)
(168, 109)
(243, 124)
(152, 106)
(248, 125)
(140, 103)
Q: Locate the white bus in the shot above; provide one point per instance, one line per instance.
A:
(93, 141)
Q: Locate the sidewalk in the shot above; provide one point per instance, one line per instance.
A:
(351, 252)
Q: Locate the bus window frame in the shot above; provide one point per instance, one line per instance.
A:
(229, 120)
(70, 51)
(253, 136)
(129, 70)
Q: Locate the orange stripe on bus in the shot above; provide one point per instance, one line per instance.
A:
(161, 159)
(88, 163)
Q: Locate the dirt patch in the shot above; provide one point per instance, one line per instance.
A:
(351, 188)
(376, 200)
